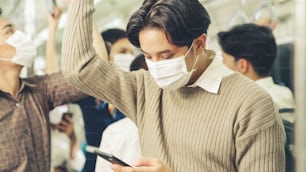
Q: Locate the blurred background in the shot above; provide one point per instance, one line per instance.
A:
(31, 16)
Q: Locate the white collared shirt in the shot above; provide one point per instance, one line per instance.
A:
(211, 78)
(281, 95)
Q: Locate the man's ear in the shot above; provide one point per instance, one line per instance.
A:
(243, 65)
(200, 43)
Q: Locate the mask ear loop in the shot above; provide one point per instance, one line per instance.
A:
(192, 69)
(189, 49)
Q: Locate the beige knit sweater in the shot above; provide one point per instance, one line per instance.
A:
(190, 129)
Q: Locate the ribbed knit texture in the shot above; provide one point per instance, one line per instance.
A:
(190, 129)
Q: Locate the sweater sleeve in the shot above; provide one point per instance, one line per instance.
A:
(260, 137)
(86, 69)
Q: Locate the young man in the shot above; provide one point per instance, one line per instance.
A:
(251, 50)
(25, 104)
(193, 114)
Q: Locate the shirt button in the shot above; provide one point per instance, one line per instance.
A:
(26, 132)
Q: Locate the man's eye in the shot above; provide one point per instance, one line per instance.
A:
(168, 56)
(148, 57)
(8, 31)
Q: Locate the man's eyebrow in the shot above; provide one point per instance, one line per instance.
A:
(160, 52)
(7, 26)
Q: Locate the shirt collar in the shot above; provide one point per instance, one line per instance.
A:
(210, 79)
(23, 84)
(265, 82)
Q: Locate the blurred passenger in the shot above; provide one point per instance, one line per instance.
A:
(251, 50)
(67, 132)
(121, 138)
(25, 104)
(121, 53)
(192, 113)
(119, 48)
(67, 135)
(282, 69)
(139, 63)
(95, 118)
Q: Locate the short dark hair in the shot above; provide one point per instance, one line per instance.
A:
(253, 43)
(139, 63)
(182, 20)
(113, 35)
(0, 11)
(110, 36)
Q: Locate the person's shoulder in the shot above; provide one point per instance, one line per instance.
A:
(237, 79)
(123, 125)
(244, 87)
(282, 88)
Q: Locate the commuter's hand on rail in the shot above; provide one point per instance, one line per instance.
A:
(53, 18)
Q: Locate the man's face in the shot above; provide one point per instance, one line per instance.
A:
(156, 47)
(6, 29)
(122, 46)
(229, 61)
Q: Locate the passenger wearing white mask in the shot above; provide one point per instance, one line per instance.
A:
(25, 104)
(192, 113)
(121, 51)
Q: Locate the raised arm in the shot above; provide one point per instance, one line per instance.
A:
(51, 51)
(83, 67)
(98, 43)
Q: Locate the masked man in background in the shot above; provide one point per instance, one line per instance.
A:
(25, 104)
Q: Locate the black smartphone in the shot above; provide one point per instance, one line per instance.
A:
(109, 157)
(66, 113)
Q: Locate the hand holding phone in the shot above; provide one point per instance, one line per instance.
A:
(66, 114)
(109, 157)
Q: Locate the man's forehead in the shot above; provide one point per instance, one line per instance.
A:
(3, 22)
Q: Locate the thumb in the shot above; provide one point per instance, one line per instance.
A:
(147, 162)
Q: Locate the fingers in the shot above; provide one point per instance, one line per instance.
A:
(118, 168)
(57, 12)
(147, 162)
(144, 165)
(67, 118)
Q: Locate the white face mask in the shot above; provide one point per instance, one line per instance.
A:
(25, 49)
(171, 74)
(123, 61)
